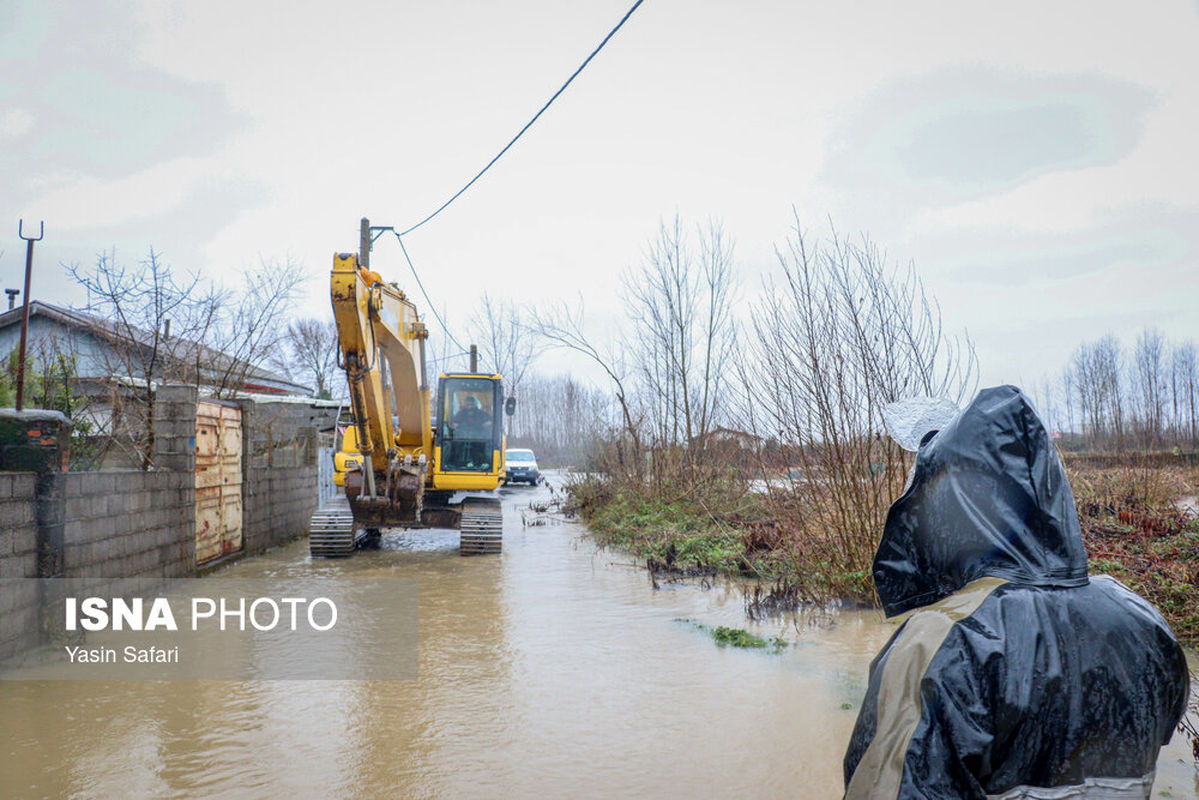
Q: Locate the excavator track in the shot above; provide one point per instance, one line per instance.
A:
(482, 527)
(332, 532)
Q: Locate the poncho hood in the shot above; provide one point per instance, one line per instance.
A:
(988, 497)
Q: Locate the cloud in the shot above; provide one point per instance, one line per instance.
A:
(97, 111)
(966, 132)
(15, 122)
(992, 257)
(1029, 298)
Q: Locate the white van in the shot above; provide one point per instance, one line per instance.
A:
(522, 466)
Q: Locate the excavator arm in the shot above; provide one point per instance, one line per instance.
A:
(406, 477)
(382, 344)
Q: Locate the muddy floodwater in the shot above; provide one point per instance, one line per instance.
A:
(555, 670)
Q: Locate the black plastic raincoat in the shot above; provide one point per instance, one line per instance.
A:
(1019, 676)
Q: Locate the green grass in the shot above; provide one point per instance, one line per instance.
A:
(739, 637)
(675, 535)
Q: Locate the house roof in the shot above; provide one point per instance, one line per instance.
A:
(256, 379)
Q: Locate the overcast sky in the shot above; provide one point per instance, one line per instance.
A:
(1035, 161)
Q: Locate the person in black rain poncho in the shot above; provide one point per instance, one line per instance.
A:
(1018, 676)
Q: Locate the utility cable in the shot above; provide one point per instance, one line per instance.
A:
(528, 124)
(432, 307)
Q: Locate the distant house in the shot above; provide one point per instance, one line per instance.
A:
(97, 372)
(104, 353)
(729, 437)
(730, 446)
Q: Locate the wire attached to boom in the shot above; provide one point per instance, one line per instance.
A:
(528, 124)
(432, 307)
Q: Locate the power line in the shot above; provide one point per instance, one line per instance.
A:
(528, 124)
(432, 307)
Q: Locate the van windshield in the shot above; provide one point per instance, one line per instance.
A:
(520, 455)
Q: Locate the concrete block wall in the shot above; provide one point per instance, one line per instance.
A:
(19, 599)
(125, 527)
(277, 505)
(283, 434)
(18, 530)
(175, 429)
(280, 470)
(128, 524)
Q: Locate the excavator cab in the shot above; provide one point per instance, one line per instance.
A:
(398, 467)
(469, 435)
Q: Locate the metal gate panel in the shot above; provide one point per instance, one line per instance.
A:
(326, 488)
(231, 517)
(208, 524)
(208, 445)
(231, 479)
(218, 480)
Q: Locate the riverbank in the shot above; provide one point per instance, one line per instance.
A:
(1135, 521)
(1139, 528)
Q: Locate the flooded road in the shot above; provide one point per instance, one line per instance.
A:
(552, 671)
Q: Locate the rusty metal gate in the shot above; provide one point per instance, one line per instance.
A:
(218, 480)
(326, 488)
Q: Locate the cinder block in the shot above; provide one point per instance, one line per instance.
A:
(74, 532)
(171, 536)
(146, 561)
(105, 549)
(16, 595)
(124, 483)
(20, 623)
(118, 503)
(73, 485)
(102, 528)
(17, 514)
(19, 566)
(24, 541)
(101, 482)
(73, 557)
(76, 508)
(24, 485)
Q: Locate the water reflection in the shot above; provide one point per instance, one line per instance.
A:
(554, 670)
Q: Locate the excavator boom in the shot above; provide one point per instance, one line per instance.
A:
(399, 471)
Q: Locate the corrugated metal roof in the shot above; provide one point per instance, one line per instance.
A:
(256, 378)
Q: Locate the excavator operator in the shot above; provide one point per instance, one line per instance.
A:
(472, 422)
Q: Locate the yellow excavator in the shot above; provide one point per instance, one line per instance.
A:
(396, 467)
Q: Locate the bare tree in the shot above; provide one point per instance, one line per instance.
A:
(567, 421)
(1097, 368)
(681, 306)
(838, 338)
(1185, 363)
(506, 340)
(1151, 404)
(247, 325)
(158, 326)
(1149, 374)
(1068, 397)
(561, 326)
(308, 352)
(141, 305)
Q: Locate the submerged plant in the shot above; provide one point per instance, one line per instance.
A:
(739, 637)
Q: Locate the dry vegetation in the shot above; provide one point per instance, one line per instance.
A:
(790, 405)
(1137, 531)
(800, 499)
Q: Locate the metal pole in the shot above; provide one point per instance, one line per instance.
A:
(364, 244)
(424, 380)
(29, 240)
